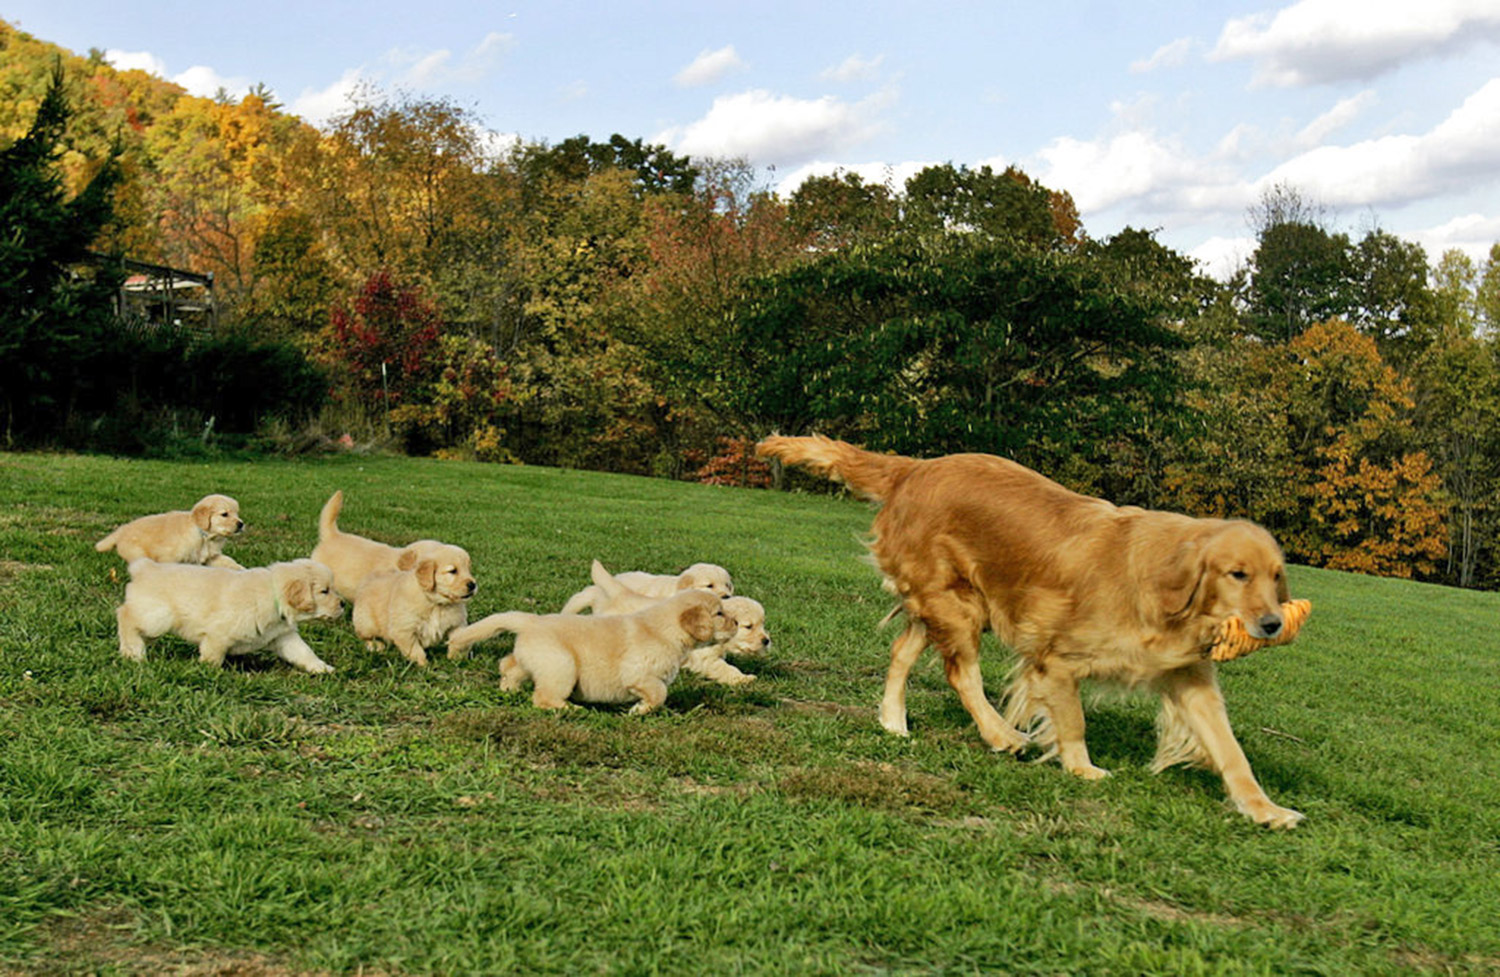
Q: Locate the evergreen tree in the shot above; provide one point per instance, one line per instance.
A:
(54, 306)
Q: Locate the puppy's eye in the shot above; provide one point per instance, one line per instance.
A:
(1239, 575)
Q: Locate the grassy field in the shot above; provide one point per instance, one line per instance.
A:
(257, 820)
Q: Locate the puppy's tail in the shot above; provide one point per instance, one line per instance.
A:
(585, 598)
(328, 519)
(461, 639)
(107, 543)
(867, 474)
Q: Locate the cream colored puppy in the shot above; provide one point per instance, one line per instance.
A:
(748, 616)
(700, 576)
(355, 559)
(226, 611)
(749, 638)
(616, 658)
(194, 536)
(414, 609)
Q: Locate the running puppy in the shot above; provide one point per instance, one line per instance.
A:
(616, 658)
(416, 608)
(355, 559)
(226, 611)
(747, 616)
(1076, 586)
(194, 536)
(699, 576)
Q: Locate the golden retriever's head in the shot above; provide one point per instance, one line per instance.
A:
(749, 619)
(706, 576)
(702, 616)
(442, 570)
(305, 590)
(217, 515)
(1235, 568)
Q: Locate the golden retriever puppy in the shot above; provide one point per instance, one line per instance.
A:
(194, 536)
(414, 609)
(225, 611)
(749, 638)
(700, 576)
(614, 658)
(354, 559)
(1076, 586)
(747, 616)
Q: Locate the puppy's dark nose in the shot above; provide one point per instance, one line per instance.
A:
(764, 642)
(1270, 625)
(473, 586)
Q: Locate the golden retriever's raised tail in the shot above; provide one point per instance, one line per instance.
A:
(328, 519)
(868, 475)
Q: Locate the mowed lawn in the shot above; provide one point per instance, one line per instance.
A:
(386, 819)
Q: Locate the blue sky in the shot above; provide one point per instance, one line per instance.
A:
(1162, 114)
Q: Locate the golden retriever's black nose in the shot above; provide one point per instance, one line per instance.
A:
(1270, 625)
(473, 586)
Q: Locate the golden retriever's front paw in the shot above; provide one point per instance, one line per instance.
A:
(740, 680)
(458, 652)
(319, 667)
(1089, 772)
(1272, 815)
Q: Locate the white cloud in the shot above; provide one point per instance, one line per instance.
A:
(775, 129)
(1167, 56)
(318, 107)
(136, 61)
(1345, 111)
(1221, 257)
(199, 80)
(1134, 165)
(709, 66)
(1473, 234)
(854, 68)
(432, 69)
(1460, 153)
(1317, 41)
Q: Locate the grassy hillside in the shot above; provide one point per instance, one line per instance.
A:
(407, 821)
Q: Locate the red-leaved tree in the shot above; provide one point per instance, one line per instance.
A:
(384, 340)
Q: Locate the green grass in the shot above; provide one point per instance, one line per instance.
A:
(167, 817)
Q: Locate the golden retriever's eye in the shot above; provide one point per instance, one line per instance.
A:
(1239, 575)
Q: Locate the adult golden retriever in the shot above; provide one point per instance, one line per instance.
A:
(1077, 587)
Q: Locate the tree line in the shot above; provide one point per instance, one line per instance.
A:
(613, 305)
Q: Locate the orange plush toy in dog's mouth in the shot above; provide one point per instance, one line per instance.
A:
(1233, 641)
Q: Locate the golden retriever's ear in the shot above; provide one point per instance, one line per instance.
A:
(1180, 579)
(406, 559)
(298, 595)
(1283, 594)
(426, 572)
(203, 514)
(698, 623)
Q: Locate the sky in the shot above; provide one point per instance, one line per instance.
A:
(1168, 115)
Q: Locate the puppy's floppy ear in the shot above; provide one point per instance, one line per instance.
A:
(203, 514)
(297, 593)
(698, 622)
(406, 559)
(426, 572)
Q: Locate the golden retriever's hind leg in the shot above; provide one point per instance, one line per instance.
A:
(1056, 690)
(413, 652)
(512, 674)
(212, 653)
(652, 693)
(959, 646)
(905, 651)
(132, 641)
(1193, 693)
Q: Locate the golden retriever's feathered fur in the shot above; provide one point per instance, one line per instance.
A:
(1076, 586)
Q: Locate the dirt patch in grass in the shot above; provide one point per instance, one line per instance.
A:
(11, 569)
(883, 786)
(101, 940)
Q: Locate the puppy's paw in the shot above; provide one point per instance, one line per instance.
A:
(1272, 815)
(318, 667)
(1089, 772)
